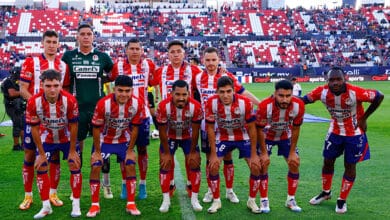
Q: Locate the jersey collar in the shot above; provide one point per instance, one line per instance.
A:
(92, 49)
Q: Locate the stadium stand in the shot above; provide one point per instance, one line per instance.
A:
(247, 36)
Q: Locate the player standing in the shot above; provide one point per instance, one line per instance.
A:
(84, 79)
(347, 131)
(140, 70)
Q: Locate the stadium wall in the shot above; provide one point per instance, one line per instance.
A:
(265, 75)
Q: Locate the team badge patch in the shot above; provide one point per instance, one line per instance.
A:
(237, 111)
(95, 57)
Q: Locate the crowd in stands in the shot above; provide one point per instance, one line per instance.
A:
(326, 37)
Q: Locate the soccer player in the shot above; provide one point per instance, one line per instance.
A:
(347, 131)
(230, 125)
(84, 78)
(278, 120)
(166, 75)
(114, 114)
(297, 89)
(53, 116)
(29, 86)
(140, 70)
(179, 117)
(206, 85)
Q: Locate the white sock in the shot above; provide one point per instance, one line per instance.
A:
(143, 182)
(46, 203)
(290, 197)
(52, 191)
(229, 190)
(106, 179)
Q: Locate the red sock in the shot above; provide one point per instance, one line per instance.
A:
(164, 180)
(55, 173)
(292, 183)
(346, 186)
(28, 176)
(172, 172)
(254, 182)
(94, 186)
(43, 184)
(195, 180)
(143, 165)
(263, 186)
(327, 181)
(188, 172)
(215, 182)
(228, 172)
(131, 184)
(75, 183)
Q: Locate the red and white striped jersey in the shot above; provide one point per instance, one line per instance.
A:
(345, 109)
(115, 119)
(167, 75)
(278, 122)
(179, 121)
(53, 118)
(34, 66)
(207, 84)
(140, 73)
(231, 119)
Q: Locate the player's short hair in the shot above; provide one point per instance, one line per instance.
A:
(50, 33)
(179, 83)
(133, 40)
(284, 84)
(224, 81)
(84, 25)
(196, 60)
(335, 69)
(123, 80)
(294, 79)
(50, 74)
(175, 42)
(210, 50)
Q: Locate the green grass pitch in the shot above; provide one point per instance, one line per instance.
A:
(367, 200)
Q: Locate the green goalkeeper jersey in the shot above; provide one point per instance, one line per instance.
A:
(85, 75)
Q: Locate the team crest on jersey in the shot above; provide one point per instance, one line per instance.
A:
(95, 57)
(131, 110)
(348, 101)
(187, 114)
(237, 111)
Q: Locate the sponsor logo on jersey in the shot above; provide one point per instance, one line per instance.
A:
(86, 69)
(86, 75)
(208, 91)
